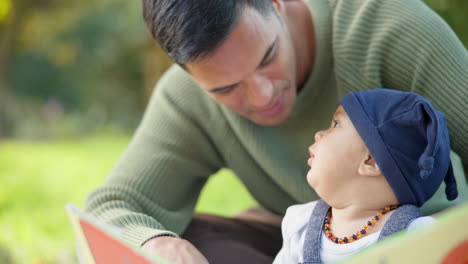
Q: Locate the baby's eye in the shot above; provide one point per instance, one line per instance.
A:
(335, 123)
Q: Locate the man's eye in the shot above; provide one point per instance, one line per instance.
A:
(226, 90)
(335, 123)
(268, 60)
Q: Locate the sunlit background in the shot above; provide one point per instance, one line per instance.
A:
(75, 77)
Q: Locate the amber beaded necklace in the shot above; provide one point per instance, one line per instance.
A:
(357, 235)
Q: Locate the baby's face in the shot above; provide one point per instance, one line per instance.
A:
(335, 156)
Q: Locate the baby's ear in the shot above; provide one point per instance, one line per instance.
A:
(368, 167)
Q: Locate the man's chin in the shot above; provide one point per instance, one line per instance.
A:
(270, 121)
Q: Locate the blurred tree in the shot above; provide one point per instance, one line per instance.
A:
(5, 32)
(87, 56)
(11, 23)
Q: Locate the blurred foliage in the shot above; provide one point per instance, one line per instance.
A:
(72, 67)
(83, 59)
(5, 9)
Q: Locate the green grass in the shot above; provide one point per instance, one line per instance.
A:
(38, 179)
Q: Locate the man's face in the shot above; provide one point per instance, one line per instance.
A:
(335, 156)
(253, 71)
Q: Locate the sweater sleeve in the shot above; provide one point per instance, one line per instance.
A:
(154, 187)
(404, 45)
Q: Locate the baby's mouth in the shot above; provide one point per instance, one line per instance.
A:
(312, 156)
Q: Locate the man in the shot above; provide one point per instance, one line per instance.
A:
(254, 81)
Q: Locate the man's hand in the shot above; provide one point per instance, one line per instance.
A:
(176, 250)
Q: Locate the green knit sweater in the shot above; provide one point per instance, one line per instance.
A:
(185, 136)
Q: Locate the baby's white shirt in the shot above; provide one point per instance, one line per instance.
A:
(294, 227)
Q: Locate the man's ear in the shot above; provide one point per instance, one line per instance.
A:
(368, 167)
(278, 5)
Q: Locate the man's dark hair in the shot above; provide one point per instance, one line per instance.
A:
(188, 30)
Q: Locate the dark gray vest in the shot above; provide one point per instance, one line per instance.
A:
(399, 220)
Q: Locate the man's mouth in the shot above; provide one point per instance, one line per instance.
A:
(274, 108)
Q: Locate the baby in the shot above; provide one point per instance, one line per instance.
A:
(384, 155)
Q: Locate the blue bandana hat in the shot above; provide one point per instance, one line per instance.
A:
(407, 138)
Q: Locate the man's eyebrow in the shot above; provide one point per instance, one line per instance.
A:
(265, 58)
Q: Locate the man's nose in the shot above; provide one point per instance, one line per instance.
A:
(259, 91)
